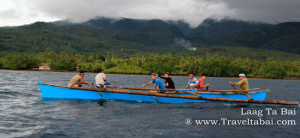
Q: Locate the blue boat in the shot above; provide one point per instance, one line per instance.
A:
(179, 96)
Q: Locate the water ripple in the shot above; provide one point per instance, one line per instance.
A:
(24, 113)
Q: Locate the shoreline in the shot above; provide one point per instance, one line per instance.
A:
(30, 70)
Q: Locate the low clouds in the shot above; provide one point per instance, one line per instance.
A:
(271, 11)
(191, 11)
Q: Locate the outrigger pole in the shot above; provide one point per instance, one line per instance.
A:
(192, 97)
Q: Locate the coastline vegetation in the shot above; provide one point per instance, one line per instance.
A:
(212, 65)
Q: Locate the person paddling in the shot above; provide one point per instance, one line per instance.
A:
(101, 79)
(192, 81)
(169, 82)
(77, 80)
(201, 83)
(243, 83)
(158, 83)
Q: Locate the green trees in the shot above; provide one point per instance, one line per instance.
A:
(272, 70)
(19, 61)
(160, 64)
(238, 65)
(217, 66)
(92, 40)
(292, 68)
(189, 64)
(62, 65)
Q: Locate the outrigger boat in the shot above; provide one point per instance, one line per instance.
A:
(150, 95)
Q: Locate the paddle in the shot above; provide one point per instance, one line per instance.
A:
(233, 87)
(254, 89)
(146, 89)
(152, 91)
(202, 98)
(194, 94)
(90, 85)
(245, 93)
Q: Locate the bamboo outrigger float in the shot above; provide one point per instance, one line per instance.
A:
(150, 95)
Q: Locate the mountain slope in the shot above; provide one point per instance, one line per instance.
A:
(40, 37)
(210, 29)
(127, 37)
(281, 37)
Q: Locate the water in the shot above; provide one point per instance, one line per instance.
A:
(23, 113)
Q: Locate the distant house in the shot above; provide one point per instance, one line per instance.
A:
(44, 67)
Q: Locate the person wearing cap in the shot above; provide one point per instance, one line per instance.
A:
(77, 80)
(158, 83)
(243, 83)
(169, 82)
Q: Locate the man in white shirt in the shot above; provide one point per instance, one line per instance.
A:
(101, 80)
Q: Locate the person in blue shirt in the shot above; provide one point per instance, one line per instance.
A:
(158, 83)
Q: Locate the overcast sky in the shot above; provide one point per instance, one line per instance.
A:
(19, 12)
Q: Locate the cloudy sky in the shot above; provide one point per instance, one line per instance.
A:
(19, 12)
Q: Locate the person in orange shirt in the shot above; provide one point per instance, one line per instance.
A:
(201, 83)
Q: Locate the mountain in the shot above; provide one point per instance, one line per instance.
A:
(282, 37)
(154, 32)
(211, 29)
(136, 26)
(88, 39)
(225, 32)
(182, 26)
(63, 23)
(125, 37)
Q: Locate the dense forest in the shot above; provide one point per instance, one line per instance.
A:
(216, 48)
(126, 37)
(212, 65)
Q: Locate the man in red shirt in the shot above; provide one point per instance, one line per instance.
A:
(201, 82)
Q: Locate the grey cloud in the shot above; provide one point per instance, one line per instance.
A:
(9, 14)
(271, 11)
(192, 11)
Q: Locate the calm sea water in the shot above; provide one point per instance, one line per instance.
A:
(23, 113)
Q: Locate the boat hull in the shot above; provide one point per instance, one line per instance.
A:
(50, 91)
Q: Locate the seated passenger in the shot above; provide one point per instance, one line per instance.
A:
(158, 83)
(201, 83)
(192, 82)
(169, 82)
(77, 80)
(101, 79)
(243, 83)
